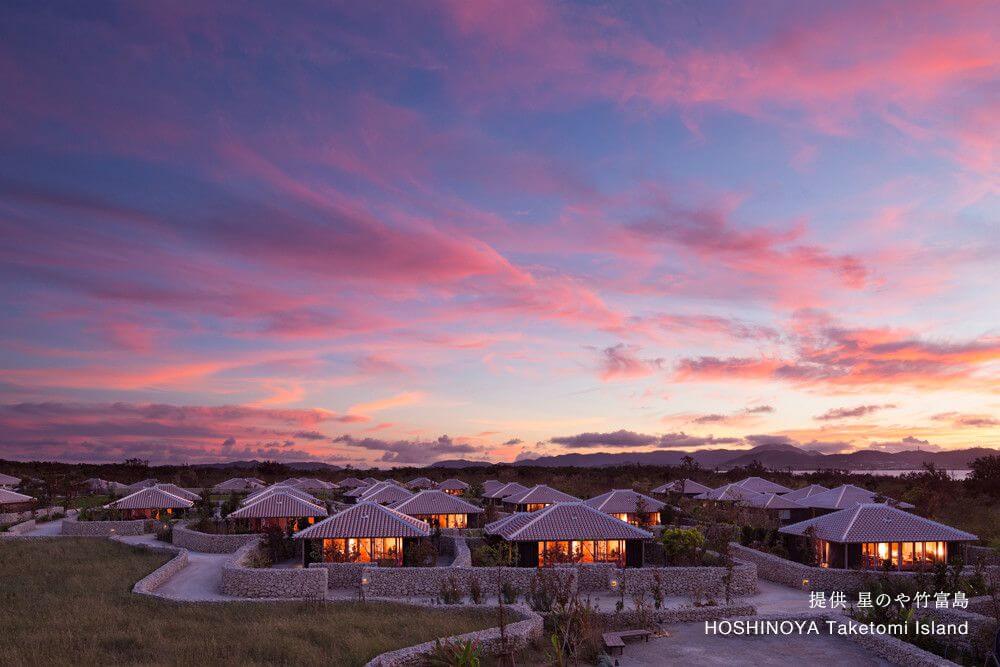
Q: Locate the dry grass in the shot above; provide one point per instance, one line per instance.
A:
(69, 601)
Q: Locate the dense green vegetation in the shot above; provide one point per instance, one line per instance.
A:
(69, 602)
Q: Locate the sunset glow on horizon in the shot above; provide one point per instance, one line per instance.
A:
(389, 234)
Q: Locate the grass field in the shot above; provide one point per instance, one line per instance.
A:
(69, 601)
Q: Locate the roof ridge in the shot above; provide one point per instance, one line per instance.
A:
(847, 529)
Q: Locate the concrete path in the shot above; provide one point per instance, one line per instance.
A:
(199, 581)
(47, 529)
(688, 644)
(771, 599)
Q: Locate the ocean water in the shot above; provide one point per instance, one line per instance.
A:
(955, 474)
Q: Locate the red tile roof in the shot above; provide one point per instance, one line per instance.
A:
(179, 492)
(385, 493)
(846, 496)
(682, 486)
(238, 484)
(772, 501)
(279, 504)
(150, 498)
(491, 485)
(131, 488)
(420, 483)
(367, 520)
(313, 484)
(9, 480)
(452, 484)
(540, 493)
(728, 493)
(13, 498)
(350, 483)
(806, 491)
(506, 490)
(876, 522)
(281, 488)
(623, 501)
(564, 521)
(761, 485)
(435, 502)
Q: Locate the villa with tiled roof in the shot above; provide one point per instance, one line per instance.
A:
(364, 533)
(454, 487)
(799, 495)
(761, 485)
(350, 483)
(278, 509)
(728, 493)
(501, 492)
(419, 483)
(178, 491)
(385, 493)
(779, 507)
(9, 481)
(536, 498)
(844, 497)
(12, 501)
(150, 503)
(570, 532)
(875, 536)
(630, 506)
(681, 487)
(440, 509)
(282, 488)
(238, 485)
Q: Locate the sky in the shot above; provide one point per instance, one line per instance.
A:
(393, 233)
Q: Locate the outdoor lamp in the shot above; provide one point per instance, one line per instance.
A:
(805, 583)
(364, 581)
(614, 584)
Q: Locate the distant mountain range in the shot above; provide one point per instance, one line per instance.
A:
(776, 456)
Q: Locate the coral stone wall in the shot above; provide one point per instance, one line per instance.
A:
(687, 580)
(395, 582)
(342, 575)
(210, 543)
(103, 528)
(790, 573)
(245, 582)
(18, 517)
(519, 634)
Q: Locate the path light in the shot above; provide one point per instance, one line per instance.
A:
(614, 584)
(805, 583)
(364, 581)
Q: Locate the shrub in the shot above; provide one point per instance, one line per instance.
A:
(509, 592)
(681, 545)
(475, 591)
(451, 591)
(549, 590)
(277, 545)
(423, 554)
(258, 559)
(165, 533)
(455, 654)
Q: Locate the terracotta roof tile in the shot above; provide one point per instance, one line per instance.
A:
(844, 497)
(9, 480)
(179, 492)
(507, 489)
(682, 486)
(436, 502)
(761, 485)
(281, 488)
(540, 493)
(150, 498)
(367, 520)
(239, 485)
(453, 484)
(420, 483)
(12, 497)
(623, 501)
(772, 501)
(728, 493)
(278, 504)
(350, 483)
(876, 522)
(564, 521)
(801, 494)
(385, 493)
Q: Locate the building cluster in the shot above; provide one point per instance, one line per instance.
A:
(380, 521)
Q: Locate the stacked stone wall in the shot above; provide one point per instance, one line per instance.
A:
(241, 581)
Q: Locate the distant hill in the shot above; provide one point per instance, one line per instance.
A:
(771, 456)
(295, 465)
(459, 463)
